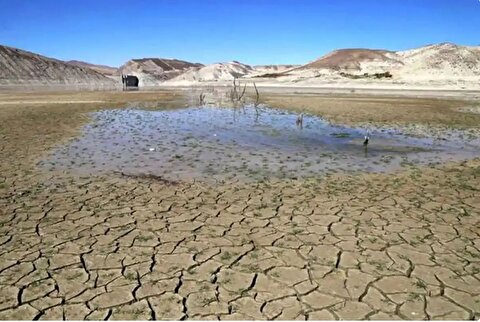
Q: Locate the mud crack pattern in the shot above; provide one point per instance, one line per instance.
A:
(359, 247)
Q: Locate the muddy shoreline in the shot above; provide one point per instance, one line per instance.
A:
(224, 144)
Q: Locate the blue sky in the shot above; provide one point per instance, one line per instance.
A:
(251, 31)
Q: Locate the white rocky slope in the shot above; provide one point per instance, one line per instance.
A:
(19, 67)
(214, 72)
(266, 69)
(440, 62)
(442, 66)
(154, 71)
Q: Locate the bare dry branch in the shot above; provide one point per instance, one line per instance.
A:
(202, 99)
(235, 93)
(243, 92)
(258, 95)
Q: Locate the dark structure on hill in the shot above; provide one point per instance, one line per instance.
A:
(129, 81)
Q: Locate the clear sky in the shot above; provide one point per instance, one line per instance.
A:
(251, 31)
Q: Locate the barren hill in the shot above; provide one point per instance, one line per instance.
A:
(273, 68)
(102, 69)
(152, 71)
(440, 61)
(354, 59)
(19, 67)
(433, 66)
(434, 62)
(215, 72)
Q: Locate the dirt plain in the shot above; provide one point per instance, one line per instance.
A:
(434, 113)
(403, 245)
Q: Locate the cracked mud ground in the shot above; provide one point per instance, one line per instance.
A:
(395, 246)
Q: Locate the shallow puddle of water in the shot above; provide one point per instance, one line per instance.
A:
(209, 144)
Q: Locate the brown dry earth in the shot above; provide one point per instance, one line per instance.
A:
(393, 246)
(383, 109)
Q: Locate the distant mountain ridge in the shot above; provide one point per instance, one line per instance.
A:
(444, 62)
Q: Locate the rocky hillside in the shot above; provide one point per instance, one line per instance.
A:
(441, 61)
(153, 71)
(354, 60)
(19, 67)
(273, 68)
(215, 72)
(102, 69)
(433, 62)
(436, 65)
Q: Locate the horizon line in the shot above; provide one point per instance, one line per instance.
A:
(235, 60)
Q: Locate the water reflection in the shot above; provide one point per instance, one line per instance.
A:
(237, 144)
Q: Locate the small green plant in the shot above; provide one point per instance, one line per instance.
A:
(207, 301)
(297, 231)
(275, 274)
(226, 256)
(420, 284)
(412, 297)
(253, 268)
(75, 276)
(144, 238)
(131, 276)
(340, 135)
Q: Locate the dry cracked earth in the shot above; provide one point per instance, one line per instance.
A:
(387, 246)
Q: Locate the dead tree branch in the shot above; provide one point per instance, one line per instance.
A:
(234, 92)
(257, 99)
(202, 99)
(243, 92)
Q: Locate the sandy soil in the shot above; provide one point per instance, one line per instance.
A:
(110, 98)
(404, 245)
